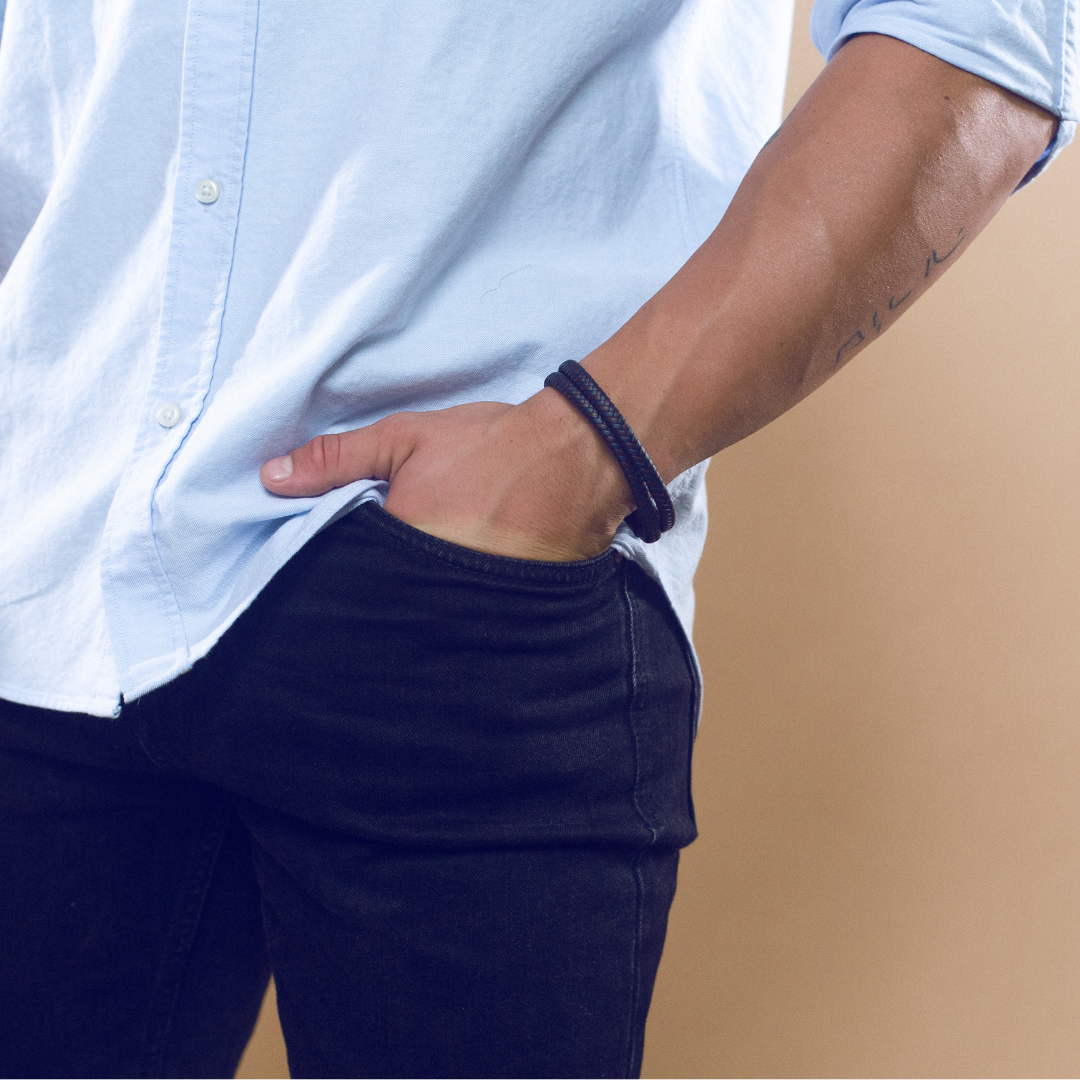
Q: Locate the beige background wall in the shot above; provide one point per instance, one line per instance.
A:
(887, 777)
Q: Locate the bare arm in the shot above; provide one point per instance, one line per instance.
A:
(889, 166)
(883, 174)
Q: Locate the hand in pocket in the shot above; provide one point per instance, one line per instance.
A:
(532, 481)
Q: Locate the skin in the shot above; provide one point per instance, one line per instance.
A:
(877, 182)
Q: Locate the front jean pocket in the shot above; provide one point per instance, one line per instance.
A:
(371, 515)
(408, 690)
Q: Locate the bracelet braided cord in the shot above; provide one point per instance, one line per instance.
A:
(643, 520)
(654, 514)
(634, 450)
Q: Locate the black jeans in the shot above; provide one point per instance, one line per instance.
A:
(440, 794)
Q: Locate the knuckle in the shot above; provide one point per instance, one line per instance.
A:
(325, 452)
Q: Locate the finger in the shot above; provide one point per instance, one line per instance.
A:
(330, 461)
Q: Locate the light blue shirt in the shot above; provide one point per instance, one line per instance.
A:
(226, 227)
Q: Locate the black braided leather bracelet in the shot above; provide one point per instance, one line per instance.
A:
(634, 450)
(643, 520)
(654, 514)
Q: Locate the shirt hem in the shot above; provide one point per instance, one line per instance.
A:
(95, 705)
(149, 675)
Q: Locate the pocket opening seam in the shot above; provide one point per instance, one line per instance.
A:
(503, 567)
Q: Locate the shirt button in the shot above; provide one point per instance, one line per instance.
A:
(207, 191)
(169, 414)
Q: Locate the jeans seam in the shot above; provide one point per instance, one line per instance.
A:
(639, 886)
(502, 568)
(177, 949)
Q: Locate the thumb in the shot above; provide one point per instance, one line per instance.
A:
(329, 461)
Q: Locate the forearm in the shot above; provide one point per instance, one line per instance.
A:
(886, 170)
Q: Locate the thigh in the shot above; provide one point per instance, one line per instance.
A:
(132, 941)
(468, 781)
(497, 962)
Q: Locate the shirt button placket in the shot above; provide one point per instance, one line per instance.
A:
(144, 591)
(170, 414)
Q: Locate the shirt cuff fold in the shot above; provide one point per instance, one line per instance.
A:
(1026, 46)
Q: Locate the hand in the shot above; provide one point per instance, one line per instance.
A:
(532, 481)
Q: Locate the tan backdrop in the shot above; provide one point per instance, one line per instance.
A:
(887, 778)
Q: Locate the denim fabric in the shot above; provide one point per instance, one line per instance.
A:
(441, 793)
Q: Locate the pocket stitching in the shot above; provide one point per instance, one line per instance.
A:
(502, 567)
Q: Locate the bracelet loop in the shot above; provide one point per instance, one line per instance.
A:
(654, 514)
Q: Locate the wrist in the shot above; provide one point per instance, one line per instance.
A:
(577, 454)
(637, 368)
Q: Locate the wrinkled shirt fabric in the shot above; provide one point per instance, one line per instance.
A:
(417, 205)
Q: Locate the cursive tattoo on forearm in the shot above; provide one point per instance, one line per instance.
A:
(877, 321)
(935, 260)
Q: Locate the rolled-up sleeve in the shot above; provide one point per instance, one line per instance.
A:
(1026, 46)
